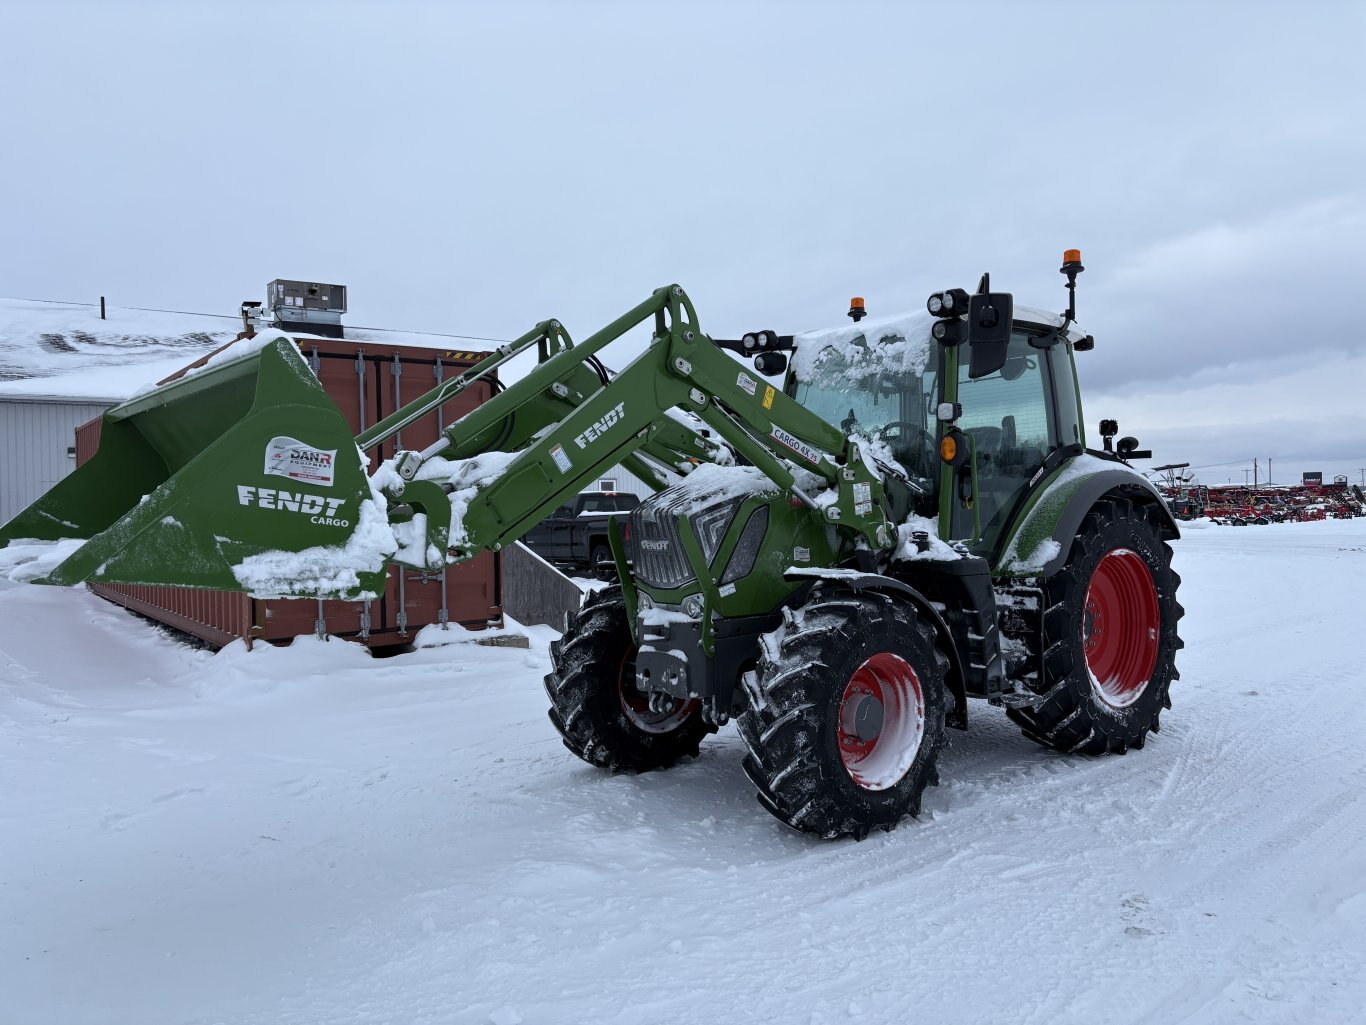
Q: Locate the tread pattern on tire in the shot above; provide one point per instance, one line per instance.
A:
(792, 764)
(585, 707)
(1070, 717)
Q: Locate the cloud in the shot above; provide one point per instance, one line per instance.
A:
(1304, 415)
(1227, 297)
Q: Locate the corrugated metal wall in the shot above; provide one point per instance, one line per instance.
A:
(34, 438)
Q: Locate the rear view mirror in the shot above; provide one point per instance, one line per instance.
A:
(990, 317)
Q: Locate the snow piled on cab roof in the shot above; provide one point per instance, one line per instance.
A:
(899, 343)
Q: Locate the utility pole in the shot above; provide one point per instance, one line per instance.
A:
(1268, 471)
(1245, 473)
(1362, 470)
(1254, 473)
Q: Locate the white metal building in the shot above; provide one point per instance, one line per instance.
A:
(617, 479)
(61, 365)
(38, 444)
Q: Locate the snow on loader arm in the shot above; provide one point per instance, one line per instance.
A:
(488, 500)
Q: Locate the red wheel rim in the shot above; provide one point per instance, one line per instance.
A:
(881, 722)
(1121, 627)
(637, 706)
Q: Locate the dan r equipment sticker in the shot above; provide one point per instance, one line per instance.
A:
(290, 457)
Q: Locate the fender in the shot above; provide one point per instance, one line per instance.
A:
(859, 581)
(1056, 512)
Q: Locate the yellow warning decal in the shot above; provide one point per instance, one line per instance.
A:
(768, 397)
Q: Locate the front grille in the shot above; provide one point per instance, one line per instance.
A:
(658, 558)
(709, 497)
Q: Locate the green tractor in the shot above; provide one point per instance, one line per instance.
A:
(876, 524)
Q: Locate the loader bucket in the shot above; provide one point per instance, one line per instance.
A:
(240, 476)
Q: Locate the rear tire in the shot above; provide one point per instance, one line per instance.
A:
(600, 564)
(846, 718)
(1110, 636)
(594, 702)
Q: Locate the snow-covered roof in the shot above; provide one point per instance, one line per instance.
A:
(65, 352)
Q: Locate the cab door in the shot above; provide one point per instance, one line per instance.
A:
(1016, 418)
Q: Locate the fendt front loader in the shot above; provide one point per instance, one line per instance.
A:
(852, 541)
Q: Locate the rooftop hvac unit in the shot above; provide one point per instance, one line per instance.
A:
(310, 307)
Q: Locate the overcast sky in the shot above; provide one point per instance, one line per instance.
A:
(477, 168)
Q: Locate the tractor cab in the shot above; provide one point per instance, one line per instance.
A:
(973, 400)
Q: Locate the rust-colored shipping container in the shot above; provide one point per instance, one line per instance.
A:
(367, 380)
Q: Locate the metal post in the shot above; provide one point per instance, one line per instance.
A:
(321, 624)
(101, 307)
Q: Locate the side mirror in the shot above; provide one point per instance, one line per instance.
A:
(1127, 448)
(990, 317)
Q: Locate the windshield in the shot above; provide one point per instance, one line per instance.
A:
(608, 503)
(892, 405)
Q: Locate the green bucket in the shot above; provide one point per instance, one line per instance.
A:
(239, 476)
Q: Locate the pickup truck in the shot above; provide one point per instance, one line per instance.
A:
(574, 536)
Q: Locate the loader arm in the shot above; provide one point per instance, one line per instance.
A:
(527, 411)
(496, 502)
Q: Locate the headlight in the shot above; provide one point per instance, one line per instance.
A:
(644, 601)
(693, 606)
(710, 526)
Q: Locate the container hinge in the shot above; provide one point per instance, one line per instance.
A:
(439, 371)
(315, 362)
(365, 621)
(321, 623)
(360, 384)
(396, 368)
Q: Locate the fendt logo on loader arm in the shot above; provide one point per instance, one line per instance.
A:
(598, 427)
(318, 509)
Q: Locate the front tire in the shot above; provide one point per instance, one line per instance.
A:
(595, 705)
(1110, 636)
(846, 716)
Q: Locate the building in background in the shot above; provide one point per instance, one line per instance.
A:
(61, 365)
(38, 435)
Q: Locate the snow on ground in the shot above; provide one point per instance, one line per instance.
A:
(311, 835)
